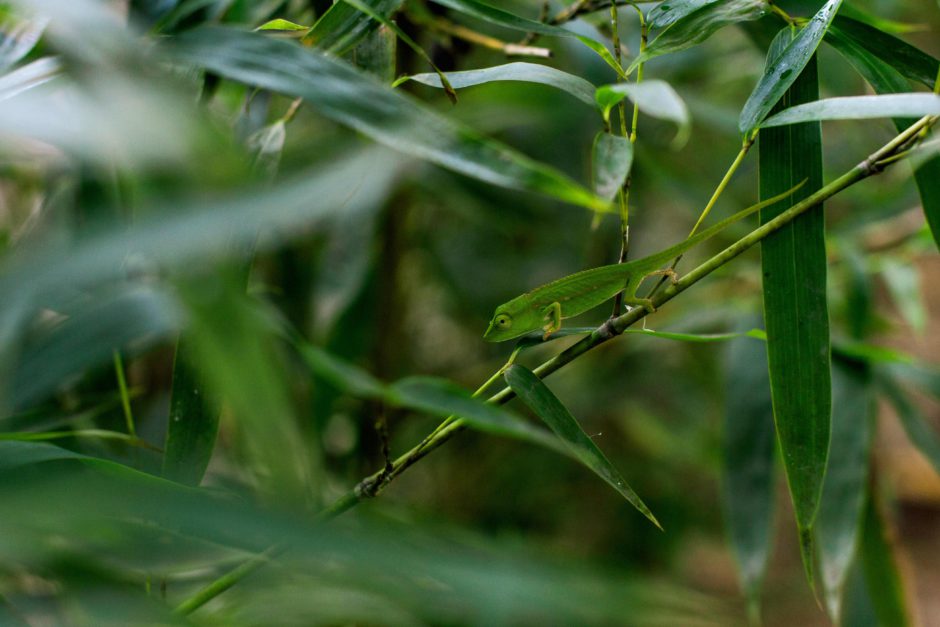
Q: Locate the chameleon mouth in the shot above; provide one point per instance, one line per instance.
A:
(489, 330)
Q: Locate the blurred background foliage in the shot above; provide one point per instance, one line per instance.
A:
(118, 162)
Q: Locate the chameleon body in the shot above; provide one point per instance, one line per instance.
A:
(546, 306)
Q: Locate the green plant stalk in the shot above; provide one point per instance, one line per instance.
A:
(625, 189)
(745, 148)
(372, 485)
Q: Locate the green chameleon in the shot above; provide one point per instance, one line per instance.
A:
(546, 306)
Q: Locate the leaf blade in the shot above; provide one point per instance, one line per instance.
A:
(546, 406)
(344, 95)
(858, 108)
(796, 315)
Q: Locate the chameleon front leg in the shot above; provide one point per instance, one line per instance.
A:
(552, 318)
(632, 299)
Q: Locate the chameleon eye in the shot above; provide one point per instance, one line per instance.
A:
(504, 321)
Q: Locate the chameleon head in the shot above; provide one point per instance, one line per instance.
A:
(500, 328)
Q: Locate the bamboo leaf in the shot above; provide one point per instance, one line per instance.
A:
(795, 308)
(546, 406)
(437, 397)
(611, 160)
(882, 60)
(858, 108)
(690, 23)
(654, 98)
(748, 458)
(493, 15)
(519, 71)
(909, 61)
(344, 95)
(842, 509)
(667, 13)
(784, 68)
(192, 424)
(343, 26)
(879, 565)
(86, 337)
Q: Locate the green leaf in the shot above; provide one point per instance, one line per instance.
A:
(748, 460)
(437, 397)
(546, 406)
(655, 98)
(16, 455)
(909, 61)
(283, 25)
(691, 23)
(611, 160)
(86, 337)
(842, 509)
(870, 51)
(237, 358)
(192, 424)
(858, 108)
(667, 13)
(496, 16)
(795, 309)
(519, 71)
(880, 566)
(343, 95)
(915, 424)
(444, 398)
(343, 26)
(783, 69)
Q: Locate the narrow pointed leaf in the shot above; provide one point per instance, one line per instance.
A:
(882, 60)
(519, 71)
(434, 396)
(842, 509)
(546, 406)
(343, 26)
(344, 95)
(192, 424)
(795, 309)
(784, 68)
(885, 585)
(666, 13)
(700, 21)
(611, 160)
(858, 108)
(907, 60)
(748, 473)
